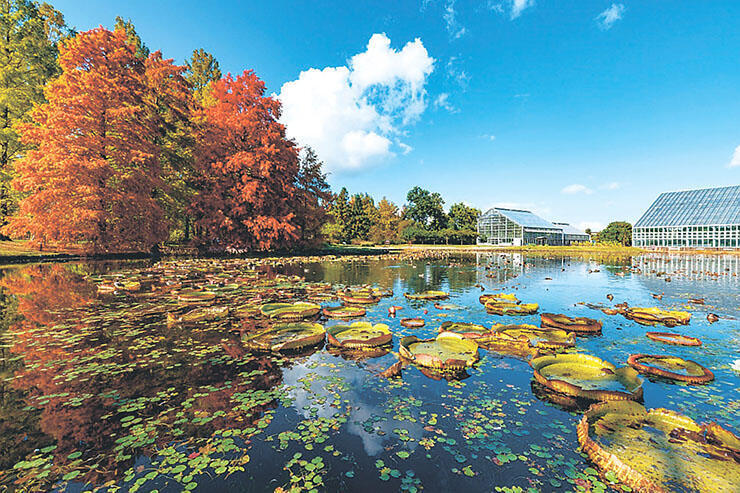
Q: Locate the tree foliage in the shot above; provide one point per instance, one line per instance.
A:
(616, 232)
(202, 69)
(462, 217)
(426, 208)
(247, 196)
(29, 33)
(93, 173)
(312, 198)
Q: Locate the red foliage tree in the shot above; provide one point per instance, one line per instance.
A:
(248, 168)
(92, 176)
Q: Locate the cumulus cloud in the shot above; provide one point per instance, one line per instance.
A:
(612, 14)
(513, 7)
(576, 188)
(735, 161)
(352, 115)
(454, 28)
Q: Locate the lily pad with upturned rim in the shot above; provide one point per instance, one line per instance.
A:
(654, 315)
(427, 295)
(669, 366)
(346, 311)
(496, 307)
(359, 335)
(659, 450)
(446, 351)
(485, 298)
(412, 322)
(290, 311)
(586, 376)
(285, 337)
(674, 339)
(580, 325)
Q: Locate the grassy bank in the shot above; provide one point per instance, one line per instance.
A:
(533, 249)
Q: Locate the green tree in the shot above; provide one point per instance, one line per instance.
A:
(386, 226)
(29, 34)
(202, 69)
(335, 230)
(314, 194)
(358, 222)
(425, 208)
(462, 217)
(133, 37)
(616, 232)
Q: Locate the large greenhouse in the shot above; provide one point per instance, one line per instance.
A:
(500, 226)
(705, 218)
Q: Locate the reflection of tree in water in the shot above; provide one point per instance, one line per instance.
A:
(88, 363)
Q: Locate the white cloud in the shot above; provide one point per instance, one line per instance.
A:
(454, 28)
(352, 114)
(456, 73)
(735, 161)
(490, 137)
(513, 7)
(443, 101)
(576, 188)
(614, 185)
(612, 14)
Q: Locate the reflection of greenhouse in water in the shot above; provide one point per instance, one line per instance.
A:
(722, 268)
(706, 218)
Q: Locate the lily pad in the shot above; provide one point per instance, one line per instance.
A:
(503, 307)
(286, 336)
(427, 295)
(447, 351)
(412, 322)
(660, 450)
(654, 315)
(359, 335)
(675, 339)
(290, 311)
(671, 367)
(195, 296)
(579, 325)
(200, 314)
(485, 298)
(345, 311)
(586, 376)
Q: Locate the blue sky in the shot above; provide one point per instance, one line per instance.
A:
(583, 111)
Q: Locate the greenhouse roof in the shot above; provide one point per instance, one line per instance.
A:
(525, 218)
(708, 206)
(570, 230)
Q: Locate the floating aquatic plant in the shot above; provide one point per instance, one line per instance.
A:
(654, 315)
(670, 367)
(579, 325)
(447, 351)
(359, 335)
(286, 336)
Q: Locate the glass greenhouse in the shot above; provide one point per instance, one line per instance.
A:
(500, 226)
(706, 218)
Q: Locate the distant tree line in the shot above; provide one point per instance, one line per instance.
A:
(356, 219)
(617, 232)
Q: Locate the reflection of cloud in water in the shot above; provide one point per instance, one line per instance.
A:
(359, 396)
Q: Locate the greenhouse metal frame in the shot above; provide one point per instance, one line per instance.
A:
(704, 218)
(516, 227)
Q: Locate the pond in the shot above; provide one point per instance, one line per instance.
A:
(106, 385)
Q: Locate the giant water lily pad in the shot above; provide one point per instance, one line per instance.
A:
(485, 298)
(586, 376)
(290, 311)
(466, 329)
(427, 295)
(360, 298)
(504, 307)
(660, 450)
(200, 314)
(580, 325)
(674, 339)
(448, 351)
(654, 315)
(529, 335)
(359, 335)
(670, 367)
(346, 311)
(195, 295)
(285, 336)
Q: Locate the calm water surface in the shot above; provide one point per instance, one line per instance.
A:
(99, 392)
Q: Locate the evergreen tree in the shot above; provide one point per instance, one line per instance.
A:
(202, 69)
(133, 37)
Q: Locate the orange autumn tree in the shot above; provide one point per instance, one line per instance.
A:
(247, 197)
(92, 175)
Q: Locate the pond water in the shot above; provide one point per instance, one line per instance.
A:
(98, 391)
